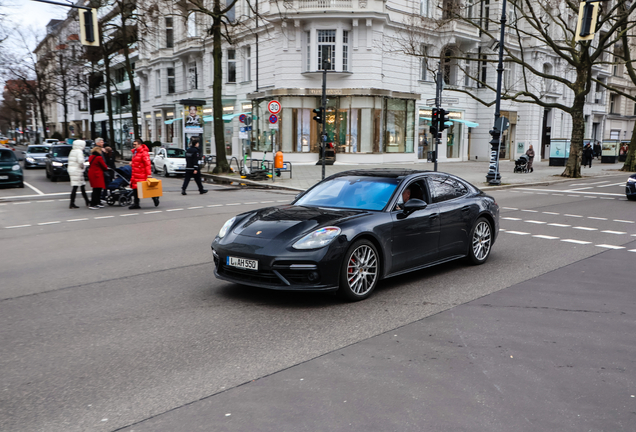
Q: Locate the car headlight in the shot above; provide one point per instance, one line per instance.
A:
(317, 239)
(57, 164)
(631, 180)
(30, 160)
(15, 167)
(226, 227)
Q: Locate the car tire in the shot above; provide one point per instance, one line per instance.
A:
(480, 241)
(631, 197)
(165, 171)
(48, 176)
(21, 185)
(360, 271)
(154, 169)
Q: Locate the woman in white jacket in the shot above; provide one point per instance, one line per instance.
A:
(76, 171)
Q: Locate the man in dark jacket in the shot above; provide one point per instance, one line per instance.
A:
(193, 156)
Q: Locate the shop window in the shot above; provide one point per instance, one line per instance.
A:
(395, 126)
(424, 137)
(304, 130)
(452, 141)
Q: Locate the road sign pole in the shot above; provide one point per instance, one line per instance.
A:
(438, 99)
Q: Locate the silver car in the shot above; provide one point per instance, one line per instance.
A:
(35, 156)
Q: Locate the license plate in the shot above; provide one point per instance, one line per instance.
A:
(243, 263)
(4, 177)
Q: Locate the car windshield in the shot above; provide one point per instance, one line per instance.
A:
(37, 150)
(351, 192)
(61, 151)
(7, 156)
(176, 153)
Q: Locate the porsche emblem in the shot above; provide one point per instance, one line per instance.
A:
(258, 232)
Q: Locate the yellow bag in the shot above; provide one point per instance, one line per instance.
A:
(149, 188)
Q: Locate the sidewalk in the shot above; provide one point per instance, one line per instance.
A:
(306, 175)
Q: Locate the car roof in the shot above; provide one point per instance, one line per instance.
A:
(380, 172)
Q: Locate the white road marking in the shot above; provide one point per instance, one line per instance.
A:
(76, 220)
(104, 217)
(36, 190)
(49, 223)
(45, 201)
(171, 210)
(632, 250)
(194, 208)
(585, 228)
(38, 196)
(607, 198)
(580, 189)
(530, 211)
(542, 193)
(614, 232)
(511, 218)
(129, 214)
(575, 195)
(535, 222)
(589, 184)
(610, 246)
(527, 192)
(510, 208)
(18, 226)
(152, 212)
(613, 184)
(216, 205)
(559, 225)
(283, 200)
(576, 241)
(623, 221)
(571, 215)
(561, 192)
(596, 218)
(550, 213)
(546, 237)
(24, 202)
(265, 202)
(518, 232)
(233, 204)
(588, 196)
(556, 194)
(252, 202)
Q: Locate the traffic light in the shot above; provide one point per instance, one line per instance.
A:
(586, 26)
(434, 123)
(442, 119)
(89, 32)
(319, 115)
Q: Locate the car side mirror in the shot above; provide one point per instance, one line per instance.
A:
(414, 205)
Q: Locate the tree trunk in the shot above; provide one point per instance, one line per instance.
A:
(630, 162)
(573, 165)
(41, 102)
(217, 103)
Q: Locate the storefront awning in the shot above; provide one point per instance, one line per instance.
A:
(172, 121)
(226, 118)
(449, 123)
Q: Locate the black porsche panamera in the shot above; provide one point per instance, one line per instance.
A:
(355, 228)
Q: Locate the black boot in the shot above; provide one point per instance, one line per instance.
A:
(72, 206)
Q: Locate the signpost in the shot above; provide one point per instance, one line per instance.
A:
(274, 107)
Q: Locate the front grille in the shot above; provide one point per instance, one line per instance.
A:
(264, 277)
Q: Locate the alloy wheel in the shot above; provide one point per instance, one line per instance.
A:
(362, 270)
(482, 240)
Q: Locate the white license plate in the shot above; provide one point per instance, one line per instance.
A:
(243, 263)
(4, 177)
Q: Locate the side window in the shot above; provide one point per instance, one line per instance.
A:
(416, 189)
(445, 188)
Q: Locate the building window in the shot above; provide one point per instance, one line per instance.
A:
(171, 81)
(485, 14)
(450, 9)
(449, 68)
(469, 9)
(613, 104)
(247, 53)
(231, 14)
(635, 108)
(169, 33)
(120, 75)
(424, 7)
(467, 71)
(615, 134)
(423, 63)
(326, 49)
(308, 54)
(157, 83)
(191, 25)
(231, 66)
(484, 71)
(193, 76)
(345, 50)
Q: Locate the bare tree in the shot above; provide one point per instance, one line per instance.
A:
(544, 26)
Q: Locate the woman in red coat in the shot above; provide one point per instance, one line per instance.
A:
(141, 170)
(96, 176)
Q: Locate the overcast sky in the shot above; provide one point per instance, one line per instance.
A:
(32, 15)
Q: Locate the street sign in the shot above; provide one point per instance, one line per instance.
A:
(274, 107)
(443, 101)
(502, 123)
(242, 118)
(273, 126)
(273, 119)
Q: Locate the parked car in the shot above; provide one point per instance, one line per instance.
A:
(169, 161)
(630, 188)
(57, 161)
(51, 141)
(355, 228)
(10, 170)
(35, 155)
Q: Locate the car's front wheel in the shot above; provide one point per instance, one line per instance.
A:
(165, 171)
(360, 271)
(631, 197)
(154, 169)
(481, 241)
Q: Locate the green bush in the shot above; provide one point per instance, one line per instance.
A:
(148, 143)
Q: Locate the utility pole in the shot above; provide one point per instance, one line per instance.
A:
(438, 102)
(321, 112)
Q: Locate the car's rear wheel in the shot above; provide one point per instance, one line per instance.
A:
(165, 171)
(154, 169)
(360, 271)
(631, 197)
(480, 241)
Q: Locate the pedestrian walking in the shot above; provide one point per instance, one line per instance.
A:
(597, 150)
(96, 171)
(75, 170)
(141, 170)
(588, 155)
(530, 154)
(193, 156)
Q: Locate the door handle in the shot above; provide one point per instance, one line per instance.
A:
(433, 216)
(465, 209)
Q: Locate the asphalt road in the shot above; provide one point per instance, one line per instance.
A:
(110, 317)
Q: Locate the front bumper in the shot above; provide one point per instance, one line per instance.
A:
(282, 269)
(59, 171)
(37, 163)
(630, 189)
(11, 178)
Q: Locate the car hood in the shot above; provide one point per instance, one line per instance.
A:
(35, 155)
(290, 221)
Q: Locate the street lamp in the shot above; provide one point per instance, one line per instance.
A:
(493, 177)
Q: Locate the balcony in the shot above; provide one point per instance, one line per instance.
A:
(330, 5)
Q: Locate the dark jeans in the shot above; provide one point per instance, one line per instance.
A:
(74, 192)
(96, 196)
(197, 178)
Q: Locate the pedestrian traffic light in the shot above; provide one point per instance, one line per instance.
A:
(434, 120)
(319, 115)
(586, 26)
(89, 32)
(442, 118)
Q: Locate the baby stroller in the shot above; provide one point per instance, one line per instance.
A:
(521, 164)
(119, 190)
